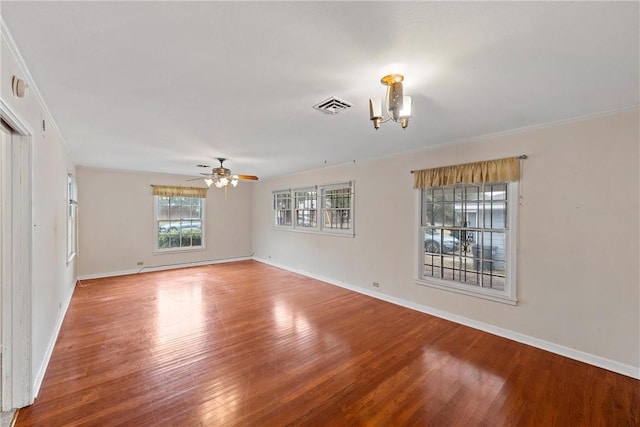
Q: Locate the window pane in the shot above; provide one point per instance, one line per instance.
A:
(283, 218)
(306, 218)
(427, 207)
(185, 211)
(474, 220)
(449, 214)
(438, 240)
(438, 214)
(196, 212)
(448, 193)
(495, 215)
(496, 192)
(472, 192)
(438, 194)
(458, 215)
(339, 219)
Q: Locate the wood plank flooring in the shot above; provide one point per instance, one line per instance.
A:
(246, 344)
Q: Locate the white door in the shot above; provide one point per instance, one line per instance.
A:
(5, 140)
(15, 269)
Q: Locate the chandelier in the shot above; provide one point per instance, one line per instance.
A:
(397, 106)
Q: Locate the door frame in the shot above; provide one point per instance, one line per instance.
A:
(16, 219)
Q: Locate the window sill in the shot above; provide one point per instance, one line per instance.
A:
(346, 233)
(487, 294)
(178, 250)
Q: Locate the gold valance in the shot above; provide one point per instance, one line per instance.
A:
(500, 170)
(171, 191)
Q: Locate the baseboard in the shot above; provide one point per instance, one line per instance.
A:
(8, 418)
(591, 359)
(161, 268)
(108, 274)
(37, 381)
(195, 264)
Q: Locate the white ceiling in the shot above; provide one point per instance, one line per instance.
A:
(165, 86)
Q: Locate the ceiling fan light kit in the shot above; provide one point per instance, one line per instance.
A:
(397, 105)
(220, 177)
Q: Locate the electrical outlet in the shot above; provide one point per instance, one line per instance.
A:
(376, 284)
(140, 263)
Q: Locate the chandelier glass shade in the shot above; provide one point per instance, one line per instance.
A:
(397, 106)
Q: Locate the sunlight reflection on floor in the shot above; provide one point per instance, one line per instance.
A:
(180, 312)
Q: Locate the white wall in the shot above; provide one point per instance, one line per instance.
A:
(116, 222)
(53, 280)
(577, 269)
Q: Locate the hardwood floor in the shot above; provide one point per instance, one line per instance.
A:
(247, 344)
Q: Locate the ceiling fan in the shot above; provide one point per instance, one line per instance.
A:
(221, 176)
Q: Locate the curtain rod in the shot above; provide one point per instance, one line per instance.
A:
(521, 157)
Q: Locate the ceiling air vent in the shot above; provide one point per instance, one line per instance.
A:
(332, 105)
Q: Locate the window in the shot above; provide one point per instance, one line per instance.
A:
(336, 207)
(282, 208)
(321, 209)
(306, 208)
(466, 238)
(179, 218)
(72, 214)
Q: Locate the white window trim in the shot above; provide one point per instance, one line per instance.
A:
(508, 296)
(203, 226)
(72, 199)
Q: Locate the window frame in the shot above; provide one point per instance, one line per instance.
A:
(508, 295)
(311, 196)
(274, 221)
(320, 209)
(72, 217)
(156, 227)
(331, 230)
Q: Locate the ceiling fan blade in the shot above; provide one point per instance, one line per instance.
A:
(206, 174)
(248, 177)
(194, 179)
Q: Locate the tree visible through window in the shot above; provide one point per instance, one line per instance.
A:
(179, 222)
